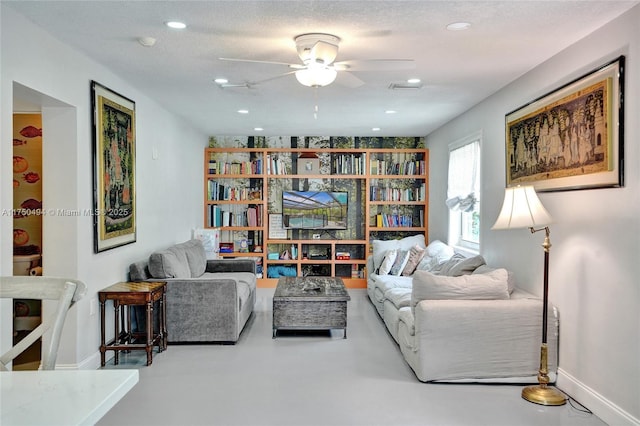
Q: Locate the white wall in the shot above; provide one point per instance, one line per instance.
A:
(594, 266)
(169, 189)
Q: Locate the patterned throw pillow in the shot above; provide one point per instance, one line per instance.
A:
(387, 262)
(401, 260)
(415, 256)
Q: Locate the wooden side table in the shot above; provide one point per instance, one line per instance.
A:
(124, 295)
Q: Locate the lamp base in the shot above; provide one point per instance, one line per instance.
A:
(544, 395)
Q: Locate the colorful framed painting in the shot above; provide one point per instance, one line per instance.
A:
(114, 147)
(571, 138)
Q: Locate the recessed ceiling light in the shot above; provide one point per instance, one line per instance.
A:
(413, 81)
(459, 26)
(243, 111)
(221, 80)
(376, 129)
(258, 129)
(176, 25)
(390, 111)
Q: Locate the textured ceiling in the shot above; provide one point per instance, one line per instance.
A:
(458, 68)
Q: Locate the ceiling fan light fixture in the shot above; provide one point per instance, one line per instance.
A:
(316, 76)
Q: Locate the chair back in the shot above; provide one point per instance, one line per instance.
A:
(63, 290)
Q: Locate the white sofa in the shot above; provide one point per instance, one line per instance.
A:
(457, 320)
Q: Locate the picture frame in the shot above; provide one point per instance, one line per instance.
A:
(308, 164)
(276, 229)
(114, 173)
(571, 138)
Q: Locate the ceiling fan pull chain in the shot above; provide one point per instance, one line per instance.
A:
(315, 98)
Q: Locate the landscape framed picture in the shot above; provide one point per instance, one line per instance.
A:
(571, 138)
(114, 147)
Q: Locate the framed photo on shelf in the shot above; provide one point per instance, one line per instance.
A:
(114, 147)
(308, 164)
(571, 138)
(276, 230)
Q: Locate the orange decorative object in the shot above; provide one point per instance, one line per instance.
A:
(20, 237)
(20, 164)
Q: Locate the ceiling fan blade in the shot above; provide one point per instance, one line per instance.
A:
(296, 66)
(346, 79)
(324, 52)
(376, 65)
(272, 78)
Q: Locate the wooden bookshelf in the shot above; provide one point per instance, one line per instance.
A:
(388, 198)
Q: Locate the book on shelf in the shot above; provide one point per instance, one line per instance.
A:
(275, 165)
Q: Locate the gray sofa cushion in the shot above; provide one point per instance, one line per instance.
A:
(184, 260)
(196, 256)
(139, 271)
(169, 263)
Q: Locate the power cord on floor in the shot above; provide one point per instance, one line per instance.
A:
(584, 409)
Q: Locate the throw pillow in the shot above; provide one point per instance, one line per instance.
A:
(415, 256)
(380, 249)
(388, 262)
(401, 261)
(489, 286)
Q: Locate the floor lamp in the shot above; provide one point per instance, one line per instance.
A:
(522, 209)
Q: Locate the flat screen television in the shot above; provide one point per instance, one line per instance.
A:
(314, 210)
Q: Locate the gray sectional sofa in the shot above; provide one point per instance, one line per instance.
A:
(207, 300)
(457, 320)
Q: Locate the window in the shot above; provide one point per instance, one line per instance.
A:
(463, 192)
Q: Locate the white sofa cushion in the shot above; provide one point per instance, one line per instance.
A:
(400, 297)
(436, 253)
(490, 286)
(511, 280)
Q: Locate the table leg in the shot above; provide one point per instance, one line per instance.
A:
(103, 346)
(129, 331)
(163, 320)
(116, 327)
(149, 347)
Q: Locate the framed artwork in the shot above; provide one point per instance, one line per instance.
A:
(276, 229)
(114, 147)
(571, 138)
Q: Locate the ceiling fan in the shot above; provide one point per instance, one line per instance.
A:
(318, 51)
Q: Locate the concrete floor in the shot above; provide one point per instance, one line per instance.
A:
(314, 379)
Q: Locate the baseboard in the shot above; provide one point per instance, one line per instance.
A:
(609, 412)
(92, 362)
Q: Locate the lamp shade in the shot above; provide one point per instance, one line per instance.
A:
(522, 209)
(316, 76)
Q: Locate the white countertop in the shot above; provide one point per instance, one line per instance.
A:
(61, 397)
